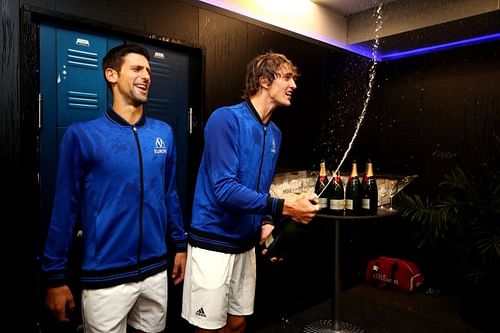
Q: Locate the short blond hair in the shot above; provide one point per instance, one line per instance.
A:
(265, 65)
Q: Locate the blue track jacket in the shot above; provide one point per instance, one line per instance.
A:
(232, 189)
(118, 181)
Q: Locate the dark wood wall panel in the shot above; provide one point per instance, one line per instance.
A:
(18, 186)
(448, 102)
(171, 19)
(10, 121)
(225, 45)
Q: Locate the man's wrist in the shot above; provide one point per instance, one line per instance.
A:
(275, 205)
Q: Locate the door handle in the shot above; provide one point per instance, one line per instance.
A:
(40, 105)
(190, 120)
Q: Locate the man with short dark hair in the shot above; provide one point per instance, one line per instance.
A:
(116, 176)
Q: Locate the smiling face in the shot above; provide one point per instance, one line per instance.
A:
(281, 89)
(131, 84)
(262, 72)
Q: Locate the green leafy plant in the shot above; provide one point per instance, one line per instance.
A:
(458, 228)
(462, 219)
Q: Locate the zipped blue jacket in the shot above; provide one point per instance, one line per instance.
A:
(232, 188)
(118, 181)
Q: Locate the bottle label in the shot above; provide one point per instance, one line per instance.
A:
(323, 203)
(269, 240)
(365, 203)
(349, 204)
(336, 204)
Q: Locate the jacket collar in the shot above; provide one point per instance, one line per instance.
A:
(254, 111)
(116, 117)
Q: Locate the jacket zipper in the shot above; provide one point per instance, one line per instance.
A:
(261, 162)
(141, 197)
(262, 158)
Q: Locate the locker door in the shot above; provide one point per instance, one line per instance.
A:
(168, 101)
(73, 89)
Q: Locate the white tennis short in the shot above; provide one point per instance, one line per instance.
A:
(217, 284)
(143, 305)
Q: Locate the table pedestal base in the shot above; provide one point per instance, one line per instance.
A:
(328, 326)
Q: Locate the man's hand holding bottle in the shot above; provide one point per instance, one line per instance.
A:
(297, 211)
(301, 208)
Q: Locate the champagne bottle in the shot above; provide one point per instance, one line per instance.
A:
(353, 192)
(369, 200)
(336, 196)
(282, 239)
(320, 188)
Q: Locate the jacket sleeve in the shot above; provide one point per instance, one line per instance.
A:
(65, 209)
(221, 153)
(175, 223)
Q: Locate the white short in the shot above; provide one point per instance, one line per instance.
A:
(217, 284)
(143, 305)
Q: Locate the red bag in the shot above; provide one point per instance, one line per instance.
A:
(399, 274)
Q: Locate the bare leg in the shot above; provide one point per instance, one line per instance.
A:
(235, 324)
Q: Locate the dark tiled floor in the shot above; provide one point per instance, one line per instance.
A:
(378, 311)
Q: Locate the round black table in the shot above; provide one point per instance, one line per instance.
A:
(335, 325)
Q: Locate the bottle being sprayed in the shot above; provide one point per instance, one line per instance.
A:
(283, 237)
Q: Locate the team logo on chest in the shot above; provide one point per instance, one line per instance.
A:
(160, 147)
